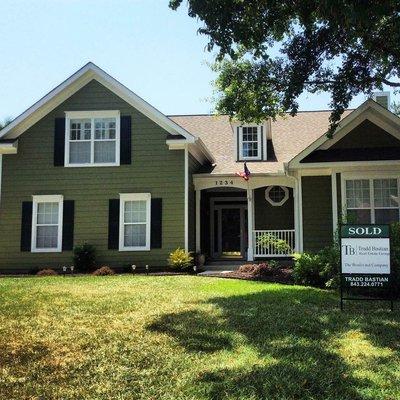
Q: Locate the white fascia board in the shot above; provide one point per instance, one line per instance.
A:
(73, 84)
(196, 148)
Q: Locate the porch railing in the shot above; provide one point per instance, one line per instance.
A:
(268, 248)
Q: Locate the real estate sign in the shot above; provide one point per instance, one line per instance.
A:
(365, 260)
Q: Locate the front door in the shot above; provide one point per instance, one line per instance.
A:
(230, 230)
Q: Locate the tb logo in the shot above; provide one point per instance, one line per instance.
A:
(349, 250)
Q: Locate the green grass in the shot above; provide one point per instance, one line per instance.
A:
(183, 337)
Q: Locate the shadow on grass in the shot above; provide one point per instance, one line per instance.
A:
(293, 330)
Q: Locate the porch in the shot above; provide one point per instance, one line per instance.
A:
(239, 220)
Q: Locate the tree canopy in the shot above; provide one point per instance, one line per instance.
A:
(269, 52)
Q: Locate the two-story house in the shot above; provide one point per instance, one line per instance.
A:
(93, 162)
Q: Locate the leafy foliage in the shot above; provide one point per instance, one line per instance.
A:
(395, 251)
(269, 52)
(279, 245)
(85, 257)
(180, 259)
(318, 269)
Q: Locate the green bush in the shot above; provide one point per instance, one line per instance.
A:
(395, 252)
(318, 269)
(180, 259)
(85, 257)
(279, 245)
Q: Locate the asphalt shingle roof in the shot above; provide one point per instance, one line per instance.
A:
(290, 135)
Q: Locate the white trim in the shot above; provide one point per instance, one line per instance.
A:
(92, 115)
(334, 203)
(47, 199)
(124, 197)
(259, 143)
(186, 199)
(300, 195)
(198, 220)
(250, 227)
(75, 82)
(276, 203)
(370, 176)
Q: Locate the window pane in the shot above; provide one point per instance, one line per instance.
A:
(134, 235)
(80, 129)
(79, 153)
(357, 193)
(250, 141)
(104, 152)
(47, 213)
(135, 211)
(47, 237)
(387, 216)
(359, 216)
(104, 128)
(385, 190)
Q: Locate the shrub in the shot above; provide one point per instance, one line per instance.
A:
(180, 259)
(262, 269)
(103, 271)
(279, 245)
(318, 269)
(395, 252)
(47, 272)
(85, 257)
(247, 268)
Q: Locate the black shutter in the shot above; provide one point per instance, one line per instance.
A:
(156, 223)
(113, 224)
(26, 226)
(68, 225)
(126, 140)
(59, 142)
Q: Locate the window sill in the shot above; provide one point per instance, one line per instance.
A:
(46, 250)
(146, 248)
(92, 165)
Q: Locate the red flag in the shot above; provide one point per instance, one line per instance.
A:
(245, 174)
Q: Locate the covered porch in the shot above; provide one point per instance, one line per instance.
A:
(246, 220)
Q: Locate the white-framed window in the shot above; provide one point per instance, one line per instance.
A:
(134, 227)
(92, 138)
(250, 142)
(276, 195)
(372, 200)
(47, 221)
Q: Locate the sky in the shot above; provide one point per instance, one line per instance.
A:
(155, 51)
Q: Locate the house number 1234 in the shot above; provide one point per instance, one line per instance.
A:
(224, 183)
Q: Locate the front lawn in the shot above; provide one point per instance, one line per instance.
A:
(188, 337)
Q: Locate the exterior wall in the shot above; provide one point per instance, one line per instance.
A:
(194, 166)
(267, 216)
(317, 212)
(154, 169)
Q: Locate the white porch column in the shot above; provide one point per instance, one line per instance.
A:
(300, 203)
(250, 218)
(198, 220)
(334, 203)
(296, 218)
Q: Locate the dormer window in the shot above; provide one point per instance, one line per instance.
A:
(250, 142)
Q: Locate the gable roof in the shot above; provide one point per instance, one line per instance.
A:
(290, 135)
(370, 110)
(75, 82)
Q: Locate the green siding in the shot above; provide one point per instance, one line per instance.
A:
(194, 166)
(154, 169)
(317, 212)
(267, 216)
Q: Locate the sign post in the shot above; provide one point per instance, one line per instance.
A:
(365, 263)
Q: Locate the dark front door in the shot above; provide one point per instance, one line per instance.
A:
(230, 232)
(229, 238)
